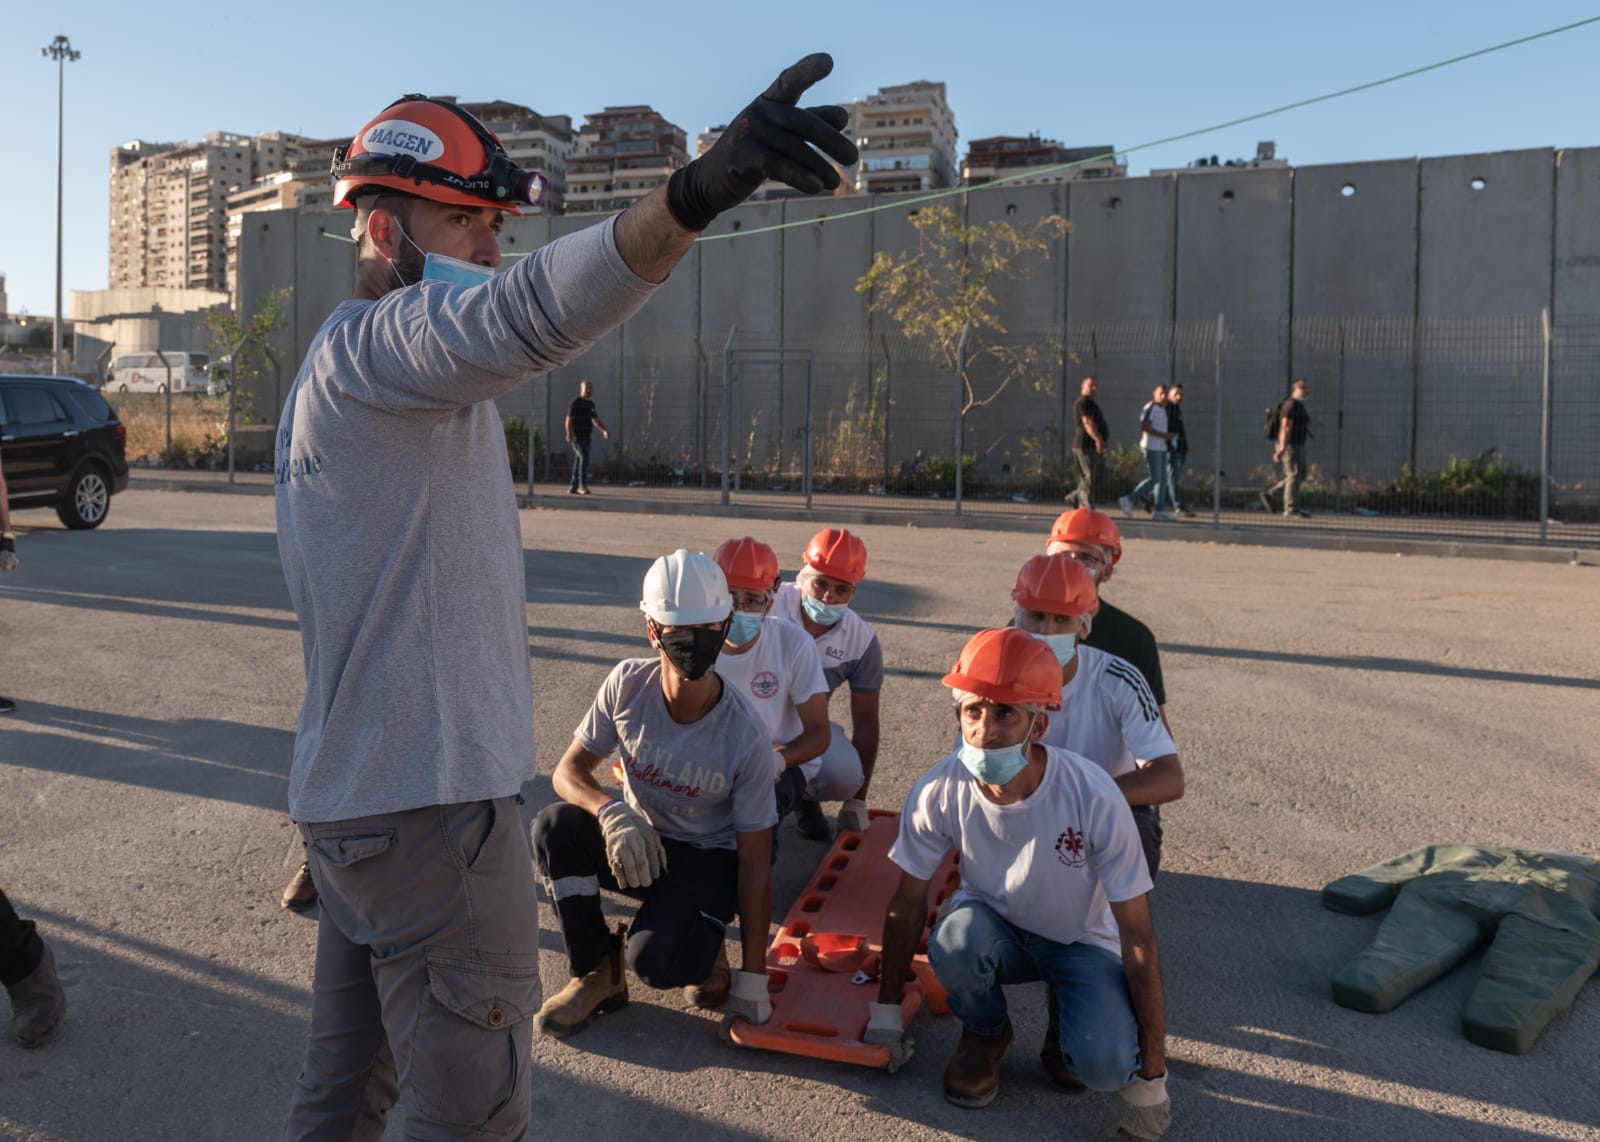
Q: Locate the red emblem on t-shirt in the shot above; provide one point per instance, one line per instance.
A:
(1069, 847)
(764, 685)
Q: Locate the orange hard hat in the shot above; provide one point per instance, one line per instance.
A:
(834, 552)
(1085, 525)
(1008, 665)
(1057, 585)
(431, 148)
(748, 563)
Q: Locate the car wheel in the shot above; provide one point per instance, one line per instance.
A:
(87, 501)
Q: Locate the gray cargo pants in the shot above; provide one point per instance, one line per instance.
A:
(428, 938)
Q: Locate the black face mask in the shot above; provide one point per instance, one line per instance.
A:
(692, 650)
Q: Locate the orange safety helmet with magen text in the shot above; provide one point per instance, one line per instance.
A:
(430, 148)
(836, 553)
(1008, 665)
(748, 564)
(1085, 525)
(1056, 585)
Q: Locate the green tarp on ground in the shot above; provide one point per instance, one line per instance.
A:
(1538, 911)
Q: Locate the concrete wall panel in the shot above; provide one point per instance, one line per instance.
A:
(1577, 232)
(1121, 255)
(1486, 253)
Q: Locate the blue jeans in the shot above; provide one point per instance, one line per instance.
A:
(975, 951)
(580, 462)
(1176, 463)
(1155, 483)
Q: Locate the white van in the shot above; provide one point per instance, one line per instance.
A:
(148, 372)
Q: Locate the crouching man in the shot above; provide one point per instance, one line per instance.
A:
(691, 837)
(1053, 887)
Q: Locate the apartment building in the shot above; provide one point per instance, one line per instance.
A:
(1028, 160)
(169, 205)
(535, 142)
(623, 154)
(907, 137)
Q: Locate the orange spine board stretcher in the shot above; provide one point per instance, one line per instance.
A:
(834, 929)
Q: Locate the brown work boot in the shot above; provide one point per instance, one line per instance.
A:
(1055, 1064)
(972, 1076)
(712, 993)
(300, 894)
(604, 988)
(38, 1004)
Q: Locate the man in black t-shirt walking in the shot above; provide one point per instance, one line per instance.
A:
(1294, 428)
(1177, 450)
(582, 420)
(1088, 443)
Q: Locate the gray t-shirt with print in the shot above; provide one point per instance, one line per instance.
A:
(700, 783)
(399, 534)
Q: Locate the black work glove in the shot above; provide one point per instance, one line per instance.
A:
(8, 554)
(768, 139)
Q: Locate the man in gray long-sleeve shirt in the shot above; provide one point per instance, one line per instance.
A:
(398, 531)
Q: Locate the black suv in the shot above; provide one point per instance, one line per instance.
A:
(62, 447)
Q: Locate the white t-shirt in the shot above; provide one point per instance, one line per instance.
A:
(1156, 415)
(849, 648)
(1108, 715)
(699, 783)
(774, 676)
(1050, 864)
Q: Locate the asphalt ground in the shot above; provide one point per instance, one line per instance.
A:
(1333, 709)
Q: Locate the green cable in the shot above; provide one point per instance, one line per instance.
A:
(1034, 172)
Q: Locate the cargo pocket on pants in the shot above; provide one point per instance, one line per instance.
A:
(470, 1054)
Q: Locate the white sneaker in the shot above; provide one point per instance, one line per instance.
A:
(1167, 516)
(1126, 504)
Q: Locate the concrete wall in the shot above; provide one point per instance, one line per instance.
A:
(1414, 273)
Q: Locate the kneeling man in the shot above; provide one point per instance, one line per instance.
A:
(1053, 886)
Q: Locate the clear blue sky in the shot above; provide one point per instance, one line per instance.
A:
(1082, 73)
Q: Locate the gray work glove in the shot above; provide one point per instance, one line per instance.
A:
(749, 999)
(1143, 1110)
(780, 766)
(8, 554)
(853, 815)
(634, 851)
(886, 1025)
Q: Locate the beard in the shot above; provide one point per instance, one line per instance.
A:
(408, 266)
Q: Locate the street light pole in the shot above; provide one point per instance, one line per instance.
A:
(60, 50)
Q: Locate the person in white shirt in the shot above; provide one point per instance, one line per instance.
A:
(1108, 713)
(691, 836)
(775, 667)
(1053, 887)
(1153, 443)
(818, 600)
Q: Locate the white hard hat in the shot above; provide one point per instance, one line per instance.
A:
(685, 588)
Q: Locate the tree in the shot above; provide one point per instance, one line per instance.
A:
(947, 285)
(226, 330)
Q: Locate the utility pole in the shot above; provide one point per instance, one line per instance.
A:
(61, 50)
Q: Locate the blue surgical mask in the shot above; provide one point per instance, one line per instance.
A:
(823, 614)
(440, 268)
(1064, 646)
(745, 626)
(994, 766)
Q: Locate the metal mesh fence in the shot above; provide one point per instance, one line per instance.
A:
(1451, 428)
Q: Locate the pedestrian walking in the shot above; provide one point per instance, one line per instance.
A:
(1177, 451)
(582, 420)
(1290, 425)
(1153, 443)
(1088, 443)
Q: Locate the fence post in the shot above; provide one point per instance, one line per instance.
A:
(549, 428)
(1216, 435)
(1338, 434)
(532, 412)
(727, 411)
(1544, 434)
(961, 400)
(233, 399)
(168, 365)
(888, 393)
(810, 450)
